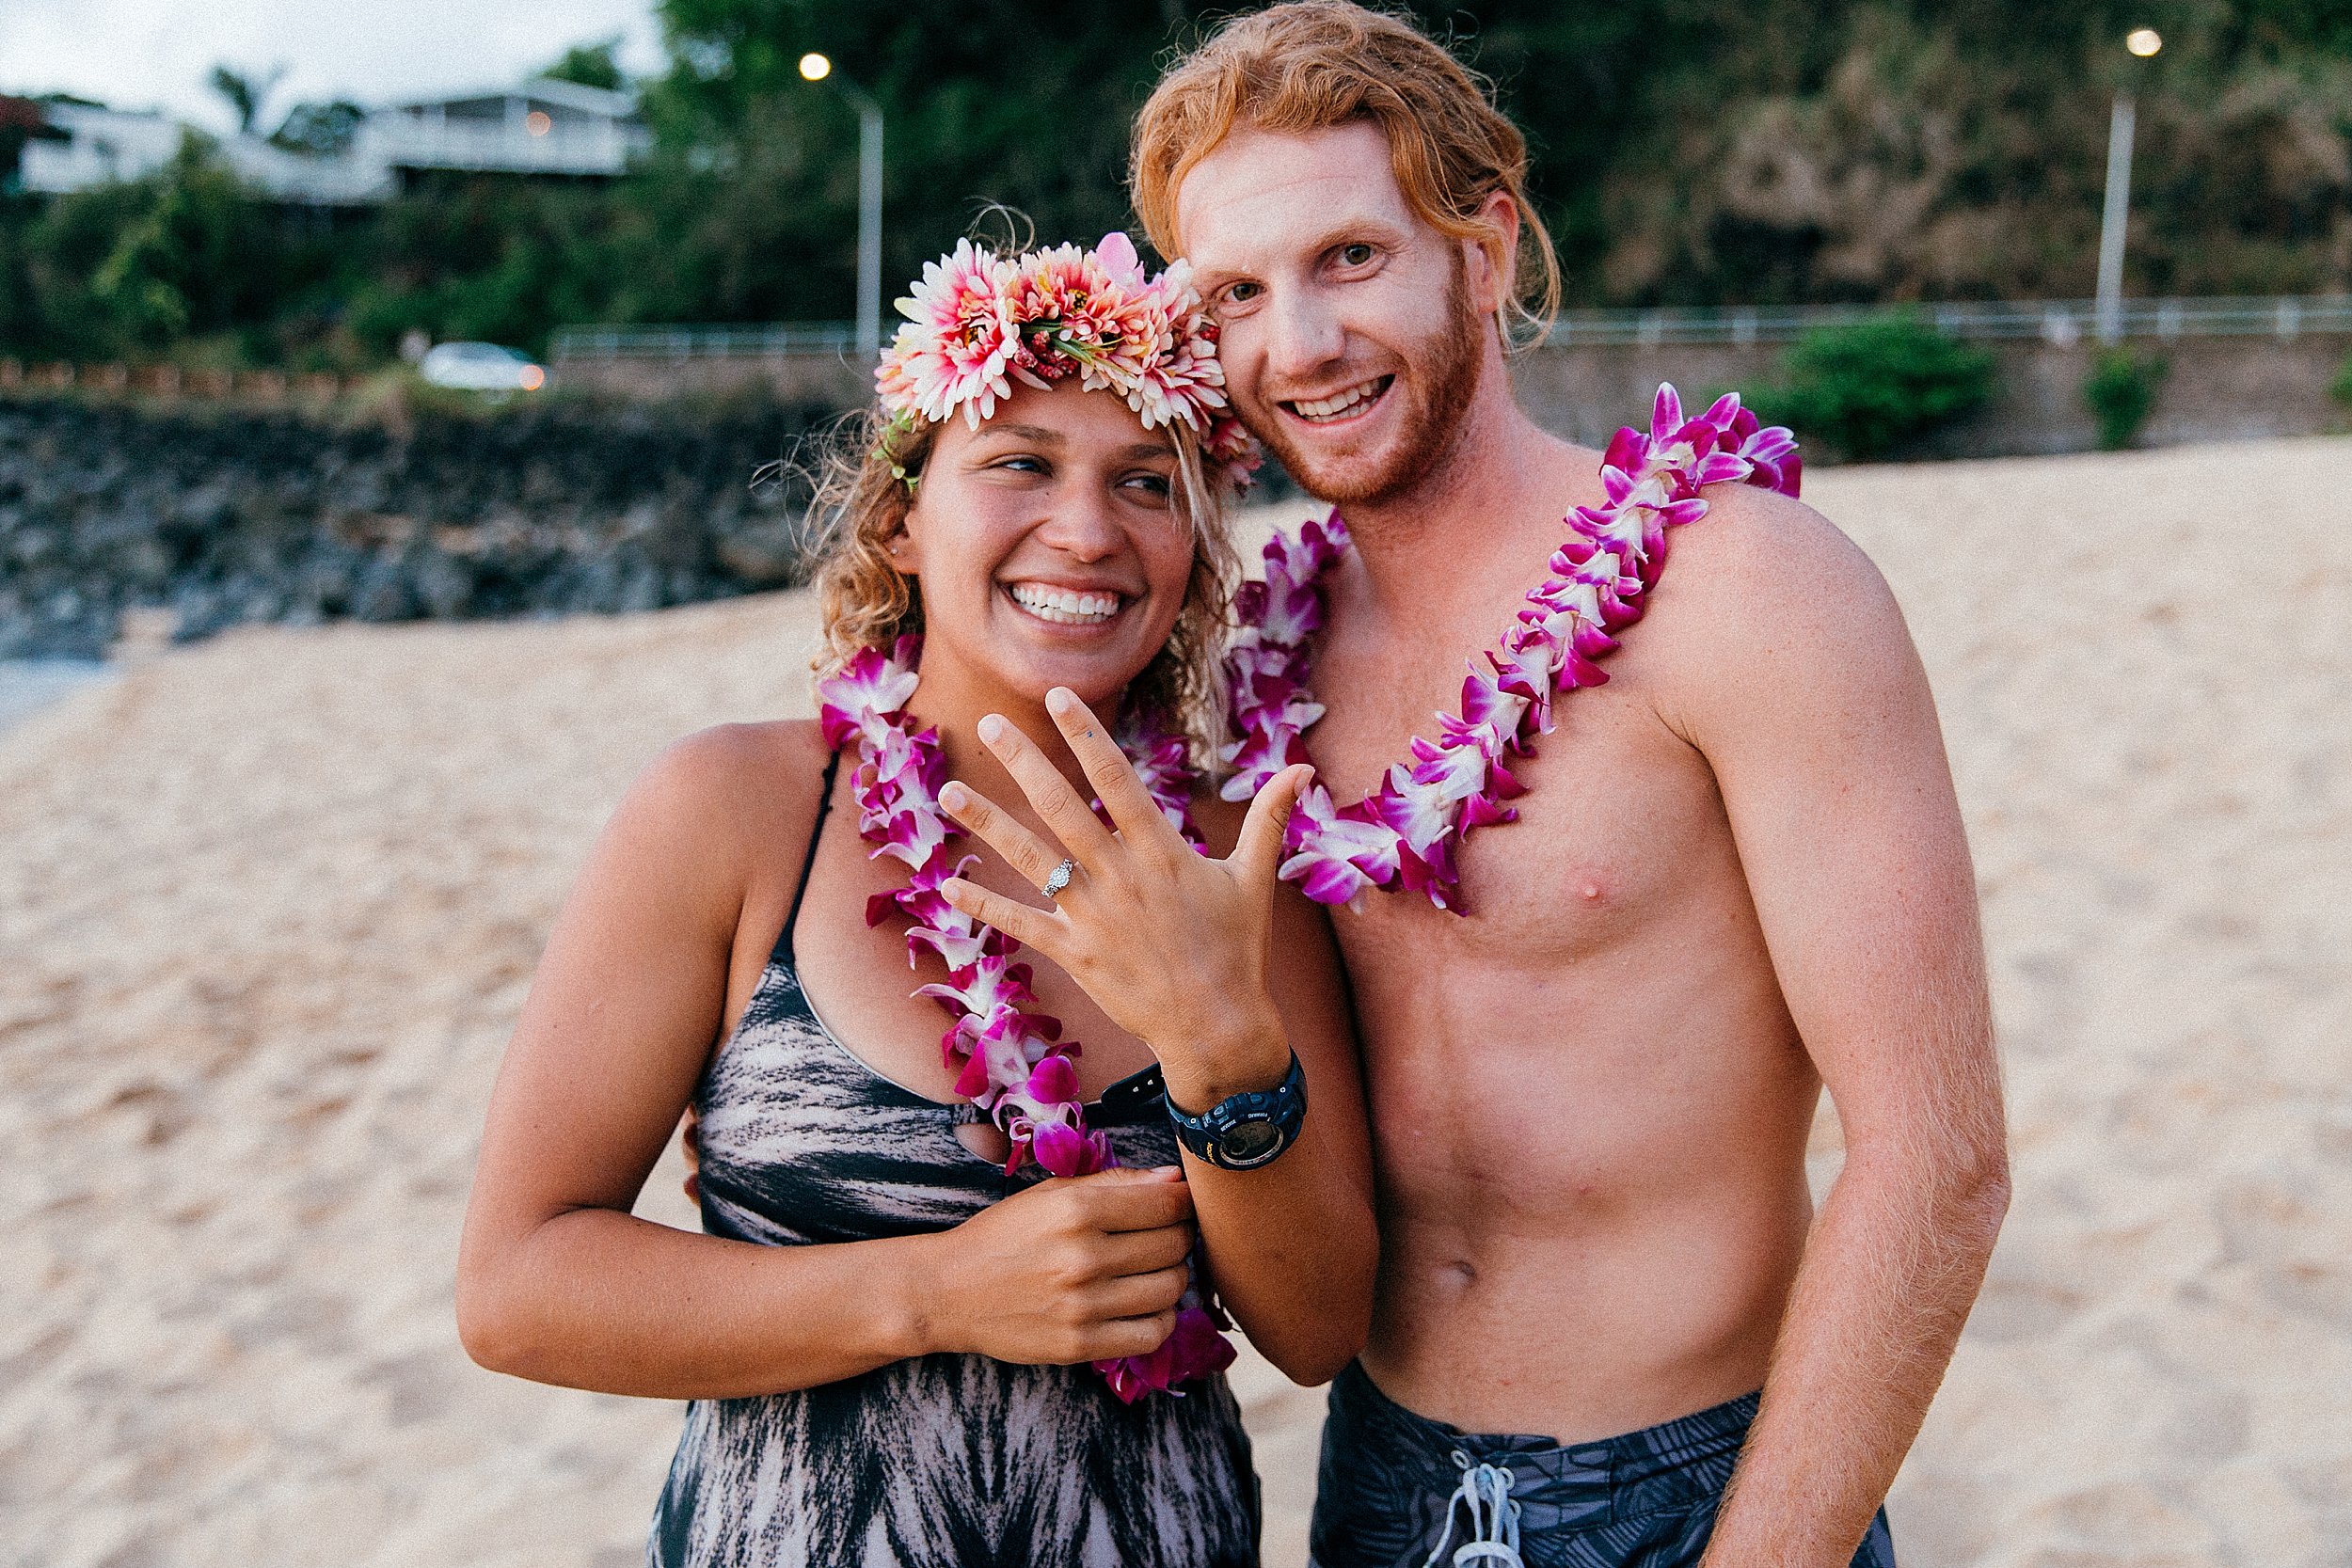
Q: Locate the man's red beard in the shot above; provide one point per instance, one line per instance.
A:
(1437, 392)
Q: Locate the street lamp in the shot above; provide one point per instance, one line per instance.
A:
(2143, 42)
(817, 67)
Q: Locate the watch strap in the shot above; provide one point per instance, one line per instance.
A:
(1245, 1130)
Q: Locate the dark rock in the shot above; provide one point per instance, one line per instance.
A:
(199, 609)
(444, 584)
(231, 516)
(765, 554)
(641, 587)
(384, 593)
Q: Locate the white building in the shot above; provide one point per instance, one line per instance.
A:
(542, 126)
(101, 146)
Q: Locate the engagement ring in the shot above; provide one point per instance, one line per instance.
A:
(1059, 879)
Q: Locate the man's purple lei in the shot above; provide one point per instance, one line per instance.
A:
(1404, 833)
(1009, 1057)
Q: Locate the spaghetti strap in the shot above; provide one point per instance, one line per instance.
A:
(782, 952)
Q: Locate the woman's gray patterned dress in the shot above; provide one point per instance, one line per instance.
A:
(943, 1460)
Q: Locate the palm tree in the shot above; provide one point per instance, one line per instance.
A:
(246, 93)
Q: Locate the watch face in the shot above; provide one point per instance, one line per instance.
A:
(1250, 1141)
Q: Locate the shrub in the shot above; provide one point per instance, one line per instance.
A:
(2341, 389)
(1869, 386)
(2120, 390)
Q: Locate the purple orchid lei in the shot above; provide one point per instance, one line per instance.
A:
(1404, 833)
(1010, 1059)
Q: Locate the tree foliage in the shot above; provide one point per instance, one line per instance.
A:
(321, 130)
(245, 91)
(1767, 151)
(591, 65)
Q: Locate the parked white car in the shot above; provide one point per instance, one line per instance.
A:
(481, 368)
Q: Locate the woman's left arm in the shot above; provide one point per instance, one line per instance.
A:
(1223, 972)
(1293, 1245)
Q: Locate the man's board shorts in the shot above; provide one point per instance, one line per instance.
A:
(1396, 1490)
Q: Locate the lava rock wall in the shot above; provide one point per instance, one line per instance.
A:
(222, 515)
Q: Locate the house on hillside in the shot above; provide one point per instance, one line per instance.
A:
(541, 127)
(22, 120)
(86, 145)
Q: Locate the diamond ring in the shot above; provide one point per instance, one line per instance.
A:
(1059, 877)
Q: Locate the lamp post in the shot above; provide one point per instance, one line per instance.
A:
(817, 67)
(2143, 42)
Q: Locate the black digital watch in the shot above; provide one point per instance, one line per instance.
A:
(1243, 1132)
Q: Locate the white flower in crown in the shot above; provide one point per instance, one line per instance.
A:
(955, 344)
(978, 321)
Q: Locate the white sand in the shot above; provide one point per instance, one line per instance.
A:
(269, 906)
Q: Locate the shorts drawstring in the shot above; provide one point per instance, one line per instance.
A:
(1494, 1518)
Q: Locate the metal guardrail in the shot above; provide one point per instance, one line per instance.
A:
(700, 342)
(2055, 320)
(2062, 322)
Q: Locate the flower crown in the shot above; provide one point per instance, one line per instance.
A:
(977, 319)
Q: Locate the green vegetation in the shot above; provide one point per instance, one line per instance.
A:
(1770, 151)
(591, 65)
(2341, 389)
(1870, 387)
(322, 130)
(184, 260)
(2120, 390)
(245, 92)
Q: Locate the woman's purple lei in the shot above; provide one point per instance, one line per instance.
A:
(1404, 833)
(1009, 1057)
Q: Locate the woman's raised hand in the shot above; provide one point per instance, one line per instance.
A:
(1169, 942)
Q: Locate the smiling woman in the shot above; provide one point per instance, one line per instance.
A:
(1181, 467)
(903, 1343)
(958, 499)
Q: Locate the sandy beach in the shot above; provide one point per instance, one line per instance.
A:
(269, 904)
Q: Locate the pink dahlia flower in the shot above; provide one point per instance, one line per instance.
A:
(957, 343)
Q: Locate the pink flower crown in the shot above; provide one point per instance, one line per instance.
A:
(976, 319)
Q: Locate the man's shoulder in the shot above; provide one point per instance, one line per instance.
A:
(1761, 563)
(1753, 539)
(1765, 593)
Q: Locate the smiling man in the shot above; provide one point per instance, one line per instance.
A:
(1609, 1326)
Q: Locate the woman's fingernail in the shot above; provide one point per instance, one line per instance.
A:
(954, 797)
(991, 728)
(1060, 699)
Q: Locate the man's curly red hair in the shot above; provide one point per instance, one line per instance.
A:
(1311, 65)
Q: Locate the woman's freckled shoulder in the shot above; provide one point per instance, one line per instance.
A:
(735, 775)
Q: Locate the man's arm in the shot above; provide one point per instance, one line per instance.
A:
(1809, 701)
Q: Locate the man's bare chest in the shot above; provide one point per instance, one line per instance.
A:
(1620, 820)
